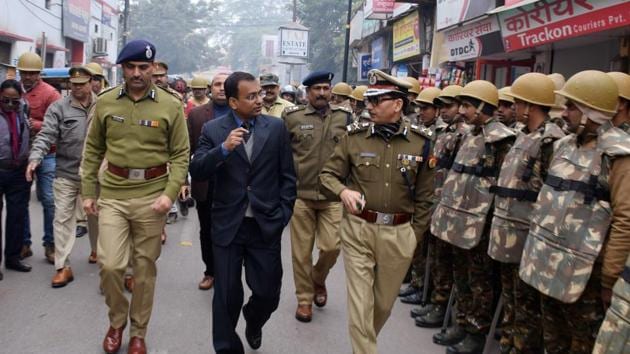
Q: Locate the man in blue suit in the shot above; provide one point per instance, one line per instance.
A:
(248, 156)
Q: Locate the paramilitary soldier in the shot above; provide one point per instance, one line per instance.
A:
(427, 116)
(359, 112)
(446, 145)
(517, 188)
(614, 334)
(387, 202)
(314, 129)
(505, 112)
(138, 128)
(464, 212)
(572, 215)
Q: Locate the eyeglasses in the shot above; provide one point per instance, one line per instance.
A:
(376, 100)
(253, 96)
(10, 101)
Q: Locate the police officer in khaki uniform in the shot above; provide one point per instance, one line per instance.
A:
(380, 172)
(273, 104)
(359, 112)
(341, 93)
(138, 128)
(314, 129)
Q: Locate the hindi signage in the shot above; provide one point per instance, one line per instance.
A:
(365, 65)
(473, 40)
(76, 19)
(550, 21)
(379, 9)
(452, 12)
(406, 37)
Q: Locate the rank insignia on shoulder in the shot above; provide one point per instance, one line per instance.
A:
(432, 161)
(357, 127)
(149, 123)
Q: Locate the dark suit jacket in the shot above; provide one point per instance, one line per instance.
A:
(268, 182)
(199, 189)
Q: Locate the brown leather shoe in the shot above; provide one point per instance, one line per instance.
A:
(62, 277)
(49, 252)
(26, 252)
(321, 295)
(137, 346)
(206, 283)
(113, 339)
(129, 283)
(163, 236)
(304, 313)
(92, 258)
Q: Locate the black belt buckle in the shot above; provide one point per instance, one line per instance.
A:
(565, 185)
(479, 170)
(458, 168)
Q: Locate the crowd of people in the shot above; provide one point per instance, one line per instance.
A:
(507, 204)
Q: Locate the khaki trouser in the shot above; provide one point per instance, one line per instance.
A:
(376, 259)
(313, 222)
(122, 224)
(89, 221)
(66, 193)
(79, 213)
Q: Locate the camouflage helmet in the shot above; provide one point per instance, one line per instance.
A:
(415, 85)
(592, 88)
(30, 61)
(427, 95)
(449, 93)
(342, 89)
(482, 90)
(199, 82)
(623, 83)
(534, 88)
(503, 95)
(358, 92)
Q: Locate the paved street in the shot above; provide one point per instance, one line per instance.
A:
(35, 318)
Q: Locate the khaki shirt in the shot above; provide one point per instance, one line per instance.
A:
(277, 107)
(370, 165)
(140, 134)
(313, 139)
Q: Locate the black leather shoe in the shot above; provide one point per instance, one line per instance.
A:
(433, 319)
(413, 299)
(1, 276)
(471, 344)
(407, 290)
(254, 337)
(81, 231)
(18, 266)
(452, 335)
(421, 310)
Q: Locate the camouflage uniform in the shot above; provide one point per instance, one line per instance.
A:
(517, 188)
(462, 216)
(569, 224)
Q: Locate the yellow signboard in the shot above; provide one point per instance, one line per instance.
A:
(407, 37)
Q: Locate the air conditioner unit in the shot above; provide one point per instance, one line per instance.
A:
(100, 46)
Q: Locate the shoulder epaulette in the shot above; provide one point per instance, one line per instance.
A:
(106, 90)
(172, 92)
(357, 127)
(294, 108)
(341, 108)
(552, 133)
(496, 131)
(422, 131)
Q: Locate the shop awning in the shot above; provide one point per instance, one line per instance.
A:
(53, 48)
(512, 5)
(14, 37)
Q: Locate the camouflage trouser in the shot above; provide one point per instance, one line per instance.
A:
(481, 283)
(418, 262)
(463, 295)
(521, 312)
(442, 271)
(572, 328)
(614, 334)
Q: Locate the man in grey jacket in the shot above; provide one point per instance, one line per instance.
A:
(65, 124)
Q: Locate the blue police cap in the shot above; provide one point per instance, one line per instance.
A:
(137, 50)
(317, 77)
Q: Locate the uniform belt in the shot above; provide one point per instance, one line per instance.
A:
(379, 218)
(589, 190)
(137, 173)
(444, 162)
(12, 164)
(480, 171)
(519, 194)
(625, 275)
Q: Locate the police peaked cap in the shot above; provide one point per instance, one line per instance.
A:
(318, 77)
(137, 50)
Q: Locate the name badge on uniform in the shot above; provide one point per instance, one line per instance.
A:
(367, 154)
(409, 160)
(149, 123)
(307, 127)
(118, 119)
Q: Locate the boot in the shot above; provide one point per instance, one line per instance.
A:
(432, 319)
(407, 290)
(26, 252)
(471, 344)
(452, 335)
(421, 310)
(413, 299)
(49, 252)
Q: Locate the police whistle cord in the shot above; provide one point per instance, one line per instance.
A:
(410, 186)
(487, 349)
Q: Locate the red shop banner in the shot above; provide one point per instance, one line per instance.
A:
(549, 21)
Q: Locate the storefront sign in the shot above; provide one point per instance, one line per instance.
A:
(108, 15)
(377, 53)
(406, 37)
(76, 19)
(473, 40)
(293, 43)
(550, 21)
(452, 12)
(365, 65)
(378, 9)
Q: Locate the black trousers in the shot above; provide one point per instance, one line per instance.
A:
(263, 274)
(16, 191)
(205, 227)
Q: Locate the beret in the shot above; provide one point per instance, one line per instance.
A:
(137, 50)
(317, 77)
